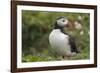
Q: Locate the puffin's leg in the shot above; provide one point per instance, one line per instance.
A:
(66, 57)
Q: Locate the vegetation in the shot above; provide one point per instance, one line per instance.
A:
(36, 27)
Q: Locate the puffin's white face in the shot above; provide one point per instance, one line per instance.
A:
(62, 22)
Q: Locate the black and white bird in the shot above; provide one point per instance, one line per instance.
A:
(62, 43)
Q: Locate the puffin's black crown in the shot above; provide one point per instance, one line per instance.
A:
(60, 17)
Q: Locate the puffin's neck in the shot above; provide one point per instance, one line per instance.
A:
(58, 27)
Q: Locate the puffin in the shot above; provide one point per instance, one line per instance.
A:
(62, 43)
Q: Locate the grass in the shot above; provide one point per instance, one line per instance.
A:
(47, 55)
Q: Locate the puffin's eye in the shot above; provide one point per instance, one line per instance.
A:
(63, 20)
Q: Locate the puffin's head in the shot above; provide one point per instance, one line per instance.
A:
(62, 22)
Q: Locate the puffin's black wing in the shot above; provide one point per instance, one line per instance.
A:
(73, 45)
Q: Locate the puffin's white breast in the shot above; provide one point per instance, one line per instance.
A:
(59, 42)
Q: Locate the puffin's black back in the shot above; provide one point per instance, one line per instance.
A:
(73, 45)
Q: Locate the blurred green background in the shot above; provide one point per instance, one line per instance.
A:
(36, 27)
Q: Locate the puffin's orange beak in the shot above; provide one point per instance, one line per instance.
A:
(69, 25)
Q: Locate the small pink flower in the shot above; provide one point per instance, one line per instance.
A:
(78, 25)
(81, 32)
